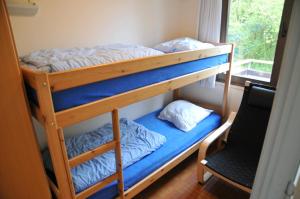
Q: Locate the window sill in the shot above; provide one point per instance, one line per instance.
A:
(240, 81)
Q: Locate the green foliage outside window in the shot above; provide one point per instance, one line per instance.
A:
(253, 27)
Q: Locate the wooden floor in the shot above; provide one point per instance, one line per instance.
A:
(181, 183)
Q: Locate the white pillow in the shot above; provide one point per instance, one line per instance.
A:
(183, 114)
(182, 44)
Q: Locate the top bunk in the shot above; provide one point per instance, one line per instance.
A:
(85, 92)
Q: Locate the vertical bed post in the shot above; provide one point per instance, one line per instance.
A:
(227, 81)
(225, 104)
(176, 94)
(56, 150)
(118, 155)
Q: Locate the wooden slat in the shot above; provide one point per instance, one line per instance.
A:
(227, 84)
(86, 111)
(57, 155)
(225, 101)
(92, 153)
(118, 155)
(85, 75)
(93, 189)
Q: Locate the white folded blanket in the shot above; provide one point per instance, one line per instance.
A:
(53, 60)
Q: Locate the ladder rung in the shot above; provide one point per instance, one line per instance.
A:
(93, 189)
(92, 153)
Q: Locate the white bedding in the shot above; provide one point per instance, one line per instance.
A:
(182, 44)
(53, 60)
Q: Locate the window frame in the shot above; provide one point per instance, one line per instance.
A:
(281, 40)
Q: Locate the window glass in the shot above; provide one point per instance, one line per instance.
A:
(253, 27)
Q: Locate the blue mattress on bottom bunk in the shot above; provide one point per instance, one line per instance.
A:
(91, 92)
(177, 142)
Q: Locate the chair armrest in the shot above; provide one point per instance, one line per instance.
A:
(214, 136)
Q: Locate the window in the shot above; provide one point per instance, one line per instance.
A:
(258, 29)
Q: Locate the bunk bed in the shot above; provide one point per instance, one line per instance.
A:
(61, 99)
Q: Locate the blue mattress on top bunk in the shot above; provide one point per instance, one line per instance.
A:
(177, 142)
(91, 92)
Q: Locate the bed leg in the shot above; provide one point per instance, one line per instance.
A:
(200, 168)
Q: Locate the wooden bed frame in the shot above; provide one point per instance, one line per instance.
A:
(54, 122)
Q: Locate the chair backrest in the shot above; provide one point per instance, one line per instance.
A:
(249, 127)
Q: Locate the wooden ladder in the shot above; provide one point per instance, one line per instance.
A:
(115, 145)
(61, 164)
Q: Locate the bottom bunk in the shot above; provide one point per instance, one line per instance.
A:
(177, 142)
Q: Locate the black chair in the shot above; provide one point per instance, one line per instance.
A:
(237, 162)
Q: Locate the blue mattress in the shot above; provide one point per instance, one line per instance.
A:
(91, 92)
(177, 142)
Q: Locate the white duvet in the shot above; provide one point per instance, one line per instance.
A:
(53, 60)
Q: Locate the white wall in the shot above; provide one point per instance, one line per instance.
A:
(215, 95)
(68, 23)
